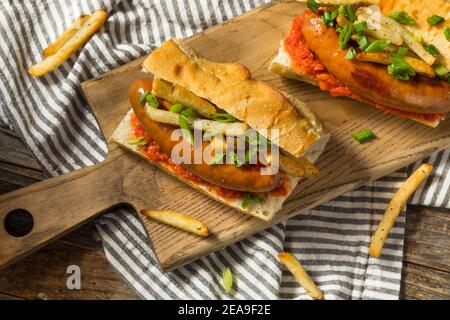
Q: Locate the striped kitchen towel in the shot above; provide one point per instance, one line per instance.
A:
(52, 118)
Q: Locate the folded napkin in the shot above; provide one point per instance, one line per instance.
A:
(54, 120)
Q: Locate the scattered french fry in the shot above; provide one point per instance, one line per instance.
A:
(93, 23)
(395, 206)
(178, 220)
(299, 273)
(66, 36)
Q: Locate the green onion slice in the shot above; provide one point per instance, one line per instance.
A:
(435, 20)
(432, 50)
(189, 113)
(378, 46)
(250, 197)
(344, 36)
(176, 108)
(349, 13)
(440, 70)
(403, 17)
(447, 33)
(363, 136)
(360, 27)
(143, 98)
(152, 101)
(218, 159)
(351, 54)
(313, 5)
(227, 279)
(223, 117)
(138, 142)
(363, 42)
(186, 128)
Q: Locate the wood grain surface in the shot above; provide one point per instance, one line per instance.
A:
(426, 271)
(253, 40)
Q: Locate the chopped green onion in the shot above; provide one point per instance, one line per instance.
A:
(351, 54)
(186, 128)
(313, 5)
(403, 17)
(447, 33)
(440, 70)
(250, 197)
(349, 13)
(227, 278)
(399, 69)
(329, 18)
(152, 101)
(402, 51)
(176, 108)
(378, 46)
(363, 42)
(344, 36)
(432, 50)
(218, 158)
(143, 98)
(250, 154)
(435, 20)
(360, 27)
(363, 136)
(223, 117)
(138, 142)
(189, 113)
(418, 38)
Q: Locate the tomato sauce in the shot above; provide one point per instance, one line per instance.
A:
(307, 63)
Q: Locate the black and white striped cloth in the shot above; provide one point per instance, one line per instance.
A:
(52, 118)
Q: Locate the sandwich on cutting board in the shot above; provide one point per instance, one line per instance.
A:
(197, 95)
(391, 54)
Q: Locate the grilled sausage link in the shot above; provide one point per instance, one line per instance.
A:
(372, 81)
(247, 178)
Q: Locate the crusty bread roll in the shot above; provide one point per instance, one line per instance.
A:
(230, 88)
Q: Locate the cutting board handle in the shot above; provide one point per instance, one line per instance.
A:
(57, 206)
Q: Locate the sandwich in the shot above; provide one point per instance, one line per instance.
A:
(391, 54)
(189, 105)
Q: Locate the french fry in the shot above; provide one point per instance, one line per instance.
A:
(417, 65)
(300, 167)
(93, 23)
(177, 94)
(227, 128)
(162, 116)
(394, 208)
(65, 37)
(299, 273)
(178, 220)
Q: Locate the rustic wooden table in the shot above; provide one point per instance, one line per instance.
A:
(426, 272)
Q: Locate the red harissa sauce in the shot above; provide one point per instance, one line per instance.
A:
(306, 62)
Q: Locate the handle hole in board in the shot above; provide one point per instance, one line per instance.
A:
(19, 223)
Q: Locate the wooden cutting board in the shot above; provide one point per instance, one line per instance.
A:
(61, 204)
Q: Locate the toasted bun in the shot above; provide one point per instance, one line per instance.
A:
(282, 65)
(230, 88)
(421, 10)
(264, 211)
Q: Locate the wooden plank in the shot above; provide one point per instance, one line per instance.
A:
(43, 276)
(422, 283)
(427, 238)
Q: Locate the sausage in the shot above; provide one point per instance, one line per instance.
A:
(419, 95)
(247, 178)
